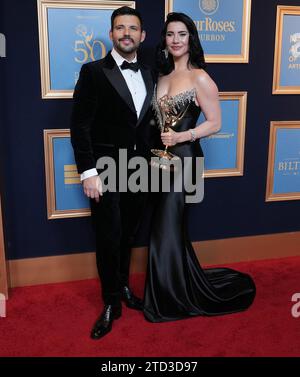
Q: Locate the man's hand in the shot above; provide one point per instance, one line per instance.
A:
(92, 187)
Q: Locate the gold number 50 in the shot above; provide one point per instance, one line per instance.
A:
(86, 51)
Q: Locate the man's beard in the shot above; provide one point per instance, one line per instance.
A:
(126, 49)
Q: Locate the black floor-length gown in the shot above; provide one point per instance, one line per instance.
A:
(176, 286)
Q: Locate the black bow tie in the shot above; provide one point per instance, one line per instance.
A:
(133, 66)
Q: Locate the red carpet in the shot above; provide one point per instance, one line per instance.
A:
(55, 320)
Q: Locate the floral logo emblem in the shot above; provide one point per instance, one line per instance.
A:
(208, 7)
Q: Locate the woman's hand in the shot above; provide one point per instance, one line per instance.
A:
(170, 138)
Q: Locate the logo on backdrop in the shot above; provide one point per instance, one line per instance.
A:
(296, 307)
(211, 29)
(294, 58)
(2, 305)
(290, 166)
(221, 135)
(295, 48)
(2, 46)
(86, 48)
(208, 7)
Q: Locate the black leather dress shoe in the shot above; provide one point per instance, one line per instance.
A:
(104, 324)
(131, 301)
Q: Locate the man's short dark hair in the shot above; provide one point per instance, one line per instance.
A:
(125, 11)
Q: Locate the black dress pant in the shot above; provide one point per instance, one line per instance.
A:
(116, 219)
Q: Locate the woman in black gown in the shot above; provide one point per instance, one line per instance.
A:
(176, 285)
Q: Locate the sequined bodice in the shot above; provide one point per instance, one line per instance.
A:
(171, 110)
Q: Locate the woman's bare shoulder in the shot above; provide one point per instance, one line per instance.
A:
(203, 81)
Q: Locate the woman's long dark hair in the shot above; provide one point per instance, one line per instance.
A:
(165, 65)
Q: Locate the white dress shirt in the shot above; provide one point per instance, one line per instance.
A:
(137, 88)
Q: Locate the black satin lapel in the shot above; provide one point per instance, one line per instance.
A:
(146, 73)
(118, 82)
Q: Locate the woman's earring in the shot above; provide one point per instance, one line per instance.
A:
(166, 52)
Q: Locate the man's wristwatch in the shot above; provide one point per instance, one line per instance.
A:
(193, 136)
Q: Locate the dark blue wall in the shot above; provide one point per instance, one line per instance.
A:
(233, 206)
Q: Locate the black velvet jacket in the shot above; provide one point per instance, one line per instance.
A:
(104, 117)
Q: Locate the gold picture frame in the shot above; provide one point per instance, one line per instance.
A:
(238, 169)
(71, 176)
(282, 11)
(43, 6)
(243, 57)
(3, 262)
(294, 162)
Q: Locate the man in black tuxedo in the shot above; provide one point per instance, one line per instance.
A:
(111, 112)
